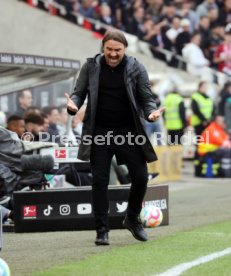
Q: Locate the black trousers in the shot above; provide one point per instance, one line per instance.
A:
(174, 136)
(133, 157)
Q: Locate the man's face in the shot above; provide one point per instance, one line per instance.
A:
(54, 116)
(114, 52)
(36, 129)
(18, 127)
(26, 99)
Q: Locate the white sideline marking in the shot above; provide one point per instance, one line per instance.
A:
(177, 270)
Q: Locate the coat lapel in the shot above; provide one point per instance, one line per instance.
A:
(94, 70)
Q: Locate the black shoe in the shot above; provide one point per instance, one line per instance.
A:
(136, 228)
(102, 237)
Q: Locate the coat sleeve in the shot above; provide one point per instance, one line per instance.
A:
(144, 92)
(81, 87)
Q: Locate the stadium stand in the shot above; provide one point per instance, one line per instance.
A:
(97, 16)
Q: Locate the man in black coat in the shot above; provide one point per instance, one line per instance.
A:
(119, 99)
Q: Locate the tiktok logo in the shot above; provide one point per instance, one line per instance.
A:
(47, 211)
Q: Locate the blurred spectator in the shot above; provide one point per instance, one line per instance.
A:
(155, 9)
(88, 8)
(75, 4)
(223, 54)
(213, 137)
(105, 17)
(16, 124)
(220, 3)
(121, 11)
(34, 124)
(227, 117)
(183, 37)
(147, 31)
(136, 24)
(204, 31)
(172, 33)
(53, 117)
(71, 6)
(195, 58)
(63, 119)
(174, 117)
(46, 122)
(174, 30)
(187, 12)
(203, 109)
(225, 13)
(24, 101)
(213, 15)
(33, 109)
(160, 41)
(137, 4)
(178, 3)
(168, 13)
(2, 119)
(63, 128)
(225, 93)
(214, 41)
(203, 8)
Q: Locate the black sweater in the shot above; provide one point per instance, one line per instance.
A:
(113, 108)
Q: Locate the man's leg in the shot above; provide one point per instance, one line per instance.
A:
(137, 167)
(101, 157)
(133, 157)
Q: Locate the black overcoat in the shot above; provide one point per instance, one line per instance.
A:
(139, 94)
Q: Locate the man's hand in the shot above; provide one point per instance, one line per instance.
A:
(155, 115)
(70, 104)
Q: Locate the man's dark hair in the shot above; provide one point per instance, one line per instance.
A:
(44, 115)
(14, 118)
(48, 109)
(33, 108)
(34, 118)
(115, 35)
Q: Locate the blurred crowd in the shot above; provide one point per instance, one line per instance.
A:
(186, 28)
(20, 166)
(34, 120)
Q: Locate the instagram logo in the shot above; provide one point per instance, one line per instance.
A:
(64, 210)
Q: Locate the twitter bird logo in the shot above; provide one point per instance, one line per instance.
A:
(121, 207)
